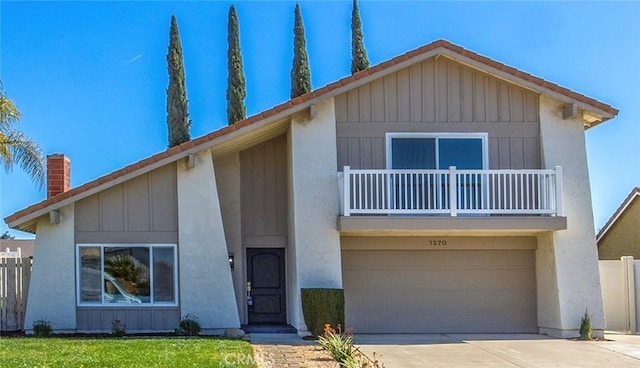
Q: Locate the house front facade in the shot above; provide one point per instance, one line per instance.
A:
(443, 191)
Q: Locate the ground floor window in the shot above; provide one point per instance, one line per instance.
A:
(116, 274)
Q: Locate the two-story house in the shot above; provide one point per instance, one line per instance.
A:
(445, 192)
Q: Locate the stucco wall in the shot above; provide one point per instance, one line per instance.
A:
(575, 286)
(206, 288)
(623, 238)
(227, 170)
(52, 292)
(314, 240)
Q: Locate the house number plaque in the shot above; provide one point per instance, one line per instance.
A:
(438, 243)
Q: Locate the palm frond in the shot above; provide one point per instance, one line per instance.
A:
(9, 113)
(15, 147)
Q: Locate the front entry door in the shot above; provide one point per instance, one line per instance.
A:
(265, 272)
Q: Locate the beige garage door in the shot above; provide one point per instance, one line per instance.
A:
(460, 291)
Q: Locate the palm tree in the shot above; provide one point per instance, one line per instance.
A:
(15, 146)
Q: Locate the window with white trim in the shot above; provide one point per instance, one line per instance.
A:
(437, 150)
(126, 275)
(420, 158)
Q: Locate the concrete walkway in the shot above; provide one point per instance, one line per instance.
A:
(408, 351)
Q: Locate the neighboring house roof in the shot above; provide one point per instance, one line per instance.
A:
(593, 111)
(616, 215)
(25, 245)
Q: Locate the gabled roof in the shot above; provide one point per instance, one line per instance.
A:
(612, 220)
(24, 219)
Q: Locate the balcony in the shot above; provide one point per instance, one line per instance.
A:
(461, 201)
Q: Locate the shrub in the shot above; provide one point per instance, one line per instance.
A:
(118, 329)
(189, 326)
(42, 328)
(586, 332)
(321, 306)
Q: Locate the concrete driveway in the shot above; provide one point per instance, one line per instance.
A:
(408, 351)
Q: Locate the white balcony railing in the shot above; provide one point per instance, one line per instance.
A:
(452, 192)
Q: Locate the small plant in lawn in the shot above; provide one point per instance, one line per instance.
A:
(42, 328)
(118, 328)
(586, 332)
(189, 326)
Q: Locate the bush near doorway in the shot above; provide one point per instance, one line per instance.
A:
(321, 306)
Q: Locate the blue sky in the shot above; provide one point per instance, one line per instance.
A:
(90, 77)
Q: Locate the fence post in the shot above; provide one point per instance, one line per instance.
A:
(10, 304)
(453, 191)
(629, 293)
(346, 203)
(559, 192)
(15, 275)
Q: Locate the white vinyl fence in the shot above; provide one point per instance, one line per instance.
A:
(620, 280)
(15, 273)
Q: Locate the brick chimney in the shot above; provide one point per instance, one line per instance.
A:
(58, 174)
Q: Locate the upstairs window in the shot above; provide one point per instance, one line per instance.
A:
(428, 151)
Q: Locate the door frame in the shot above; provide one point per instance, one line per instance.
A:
(245, 278)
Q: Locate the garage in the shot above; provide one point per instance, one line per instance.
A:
(440, 291)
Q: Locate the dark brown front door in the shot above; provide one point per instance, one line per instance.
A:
(265, 272)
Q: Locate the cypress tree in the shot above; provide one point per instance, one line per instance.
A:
(236, 86)
(359, 59)
(300, 75)
(178, 122)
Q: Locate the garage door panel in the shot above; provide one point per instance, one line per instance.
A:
(440, 291)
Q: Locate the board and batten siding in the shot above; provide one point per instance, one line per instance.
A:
(263, 182)
(141, 210)
(438, 95)
(136, 319)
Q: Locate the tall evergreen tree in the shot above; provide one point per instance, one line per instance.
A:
(359, 59)
(300, 74)
(236, 86)
(178, 122)
(15, 146)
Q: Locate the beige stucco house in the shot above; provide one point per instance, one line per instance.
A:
(444, 191)
(620, 235)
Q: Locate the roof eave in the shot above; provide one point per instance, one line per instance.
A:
(618, 212)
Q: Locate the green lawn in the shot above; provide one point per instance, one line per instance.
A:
(57, 352)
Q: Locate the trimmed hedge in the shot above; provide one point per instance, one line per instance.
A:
(321, 306)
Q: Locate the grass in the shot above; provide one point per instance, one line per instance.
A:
(129, 352)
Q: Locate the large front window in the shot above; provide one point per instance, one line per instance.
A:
(127, 274)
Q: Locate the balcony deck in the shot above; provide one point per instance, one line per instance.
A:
(450, 202)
